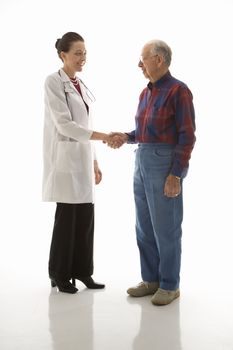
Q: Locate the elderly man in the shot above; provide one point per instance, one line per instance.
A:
(165, 125)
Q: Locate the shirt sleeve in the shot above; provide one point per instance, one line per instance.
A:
(131, 136)
(185, 125)
(56, 103)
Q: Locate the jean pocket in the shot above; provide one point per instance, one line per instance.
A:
(164, 152)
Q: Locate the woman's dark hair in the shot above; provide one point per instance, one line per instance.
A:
(66, 41)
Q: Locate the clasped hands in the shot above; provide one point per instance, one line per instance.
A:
(116, 139)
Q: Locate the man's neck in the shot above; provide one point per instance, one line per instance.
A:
(159, 75)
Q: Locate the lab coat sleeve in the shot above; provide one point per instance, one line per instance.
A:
(55, 101)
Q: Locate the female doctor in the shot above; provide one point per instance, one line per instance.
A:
(70, 168)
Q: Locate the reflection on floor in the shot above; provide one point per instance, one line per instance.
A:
(41, 318)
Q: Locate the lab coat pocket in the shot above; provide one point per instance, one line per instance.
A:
(68, 157)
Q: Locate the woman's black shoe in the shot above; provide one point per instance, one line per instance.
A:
(90, 283)
(63, 286)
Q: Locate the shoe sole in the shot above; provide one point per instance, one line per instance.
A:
(67, 291)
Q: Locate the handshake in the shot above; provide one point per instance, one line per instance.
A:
(115, 139)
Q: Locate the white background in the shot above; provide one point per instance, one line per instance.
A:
(200, 35)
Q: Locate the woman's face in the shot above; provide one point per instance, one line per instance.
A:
(75, 58)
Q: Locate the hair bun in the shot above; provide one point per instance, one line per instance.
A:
(57, 43)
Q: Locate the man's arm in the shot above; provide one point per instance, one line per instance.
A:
(185, 126)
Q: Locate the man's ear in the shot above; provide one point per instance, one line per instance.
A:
(158, 59)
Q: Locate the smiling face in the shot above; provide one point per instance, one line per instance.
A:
(75, 58)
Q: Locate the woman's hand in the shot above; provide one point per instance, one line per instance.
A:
(98, 173)
(116, 139)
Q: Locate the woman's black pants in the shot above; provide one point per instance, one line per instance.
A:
(71, 251)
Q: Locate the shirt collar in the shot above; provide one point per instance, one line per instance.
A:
(64, 76)
(159, 82)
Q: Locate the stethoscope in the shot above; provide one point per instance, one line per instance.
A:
(88, 92)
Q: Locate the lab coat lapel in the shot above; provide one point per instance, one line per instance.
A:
(66, 80)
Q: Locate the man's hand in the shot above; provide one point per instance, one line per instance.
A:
(116, 139)
(172, 186)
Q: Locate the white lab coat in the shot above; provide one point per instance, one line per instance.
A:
(67, 150)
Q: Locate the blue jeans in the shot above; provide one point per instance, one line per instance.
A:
(158, 218)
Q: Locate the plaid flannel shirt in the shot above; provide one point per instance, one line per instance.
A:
(166, 114)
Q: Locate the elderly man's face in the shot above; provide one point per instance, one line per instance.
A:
(149, 63)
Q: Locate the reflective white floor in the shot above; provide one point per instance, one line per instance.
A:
(34, 316)
(40, 318)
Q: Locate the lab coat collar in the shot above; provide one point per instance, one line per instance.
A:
(63, 75)
(66, 80)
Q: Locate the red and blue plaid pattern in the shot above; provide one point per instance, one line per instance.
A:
(166, 115)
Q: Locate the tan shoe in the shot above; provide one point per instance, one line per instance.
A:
(143, 288)
(164, 297)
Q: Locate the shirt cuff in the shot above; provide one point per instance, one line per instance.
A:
(131, 138)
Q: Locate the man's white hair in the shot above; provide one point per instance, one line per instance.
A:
(161, 48)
